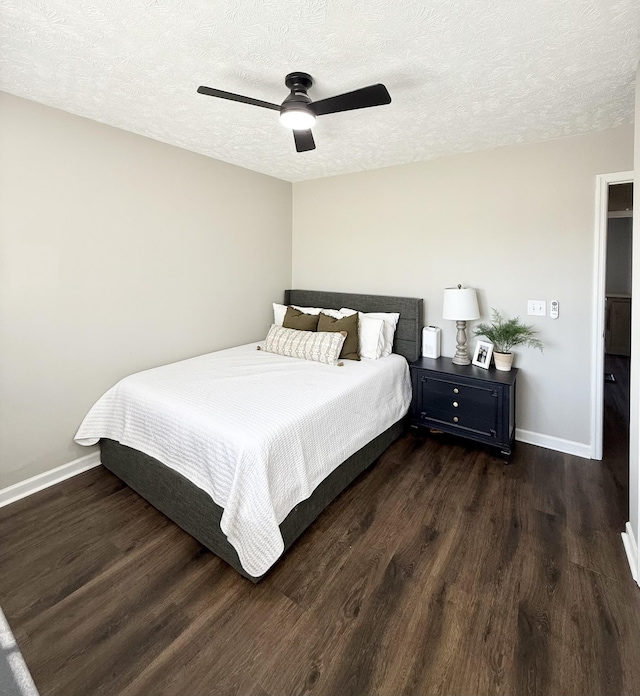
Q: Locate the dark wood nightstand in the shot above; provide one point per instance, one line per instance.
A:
(465, 400)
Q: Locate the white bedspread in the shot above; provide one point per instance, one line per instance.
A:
(258, 432)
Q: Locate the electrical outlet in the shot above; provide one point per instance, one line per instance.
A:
(537, 308)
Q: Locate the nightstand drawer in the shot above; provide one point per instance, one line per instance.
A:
(485, 423)
(446, 396)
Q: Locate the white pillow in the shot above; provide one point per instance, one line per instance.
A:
(334, 313)
(279, 310)
(308, 310)
(371, 335)
(321, 346)
(376, 345)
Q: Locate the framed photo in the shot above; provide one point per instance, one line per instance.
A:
(482, 354)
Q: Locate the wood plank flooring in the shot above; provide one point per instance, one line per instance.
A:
(440, 571)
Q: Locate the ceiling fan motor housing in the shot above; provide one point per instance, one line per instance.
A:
(298, 100)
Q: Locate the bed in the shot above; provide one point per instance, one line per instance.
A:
(193, 509)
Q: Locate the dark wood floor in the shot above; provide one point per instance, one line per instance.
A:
(441, 571)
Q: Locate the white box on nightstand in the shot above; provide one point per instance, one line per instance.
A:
(431, 342)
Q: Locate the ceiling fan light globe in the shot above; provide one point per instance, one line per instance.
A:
(297, 119)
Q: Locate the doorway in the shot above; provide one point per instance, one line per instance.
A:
(612, 319)
(617, 338)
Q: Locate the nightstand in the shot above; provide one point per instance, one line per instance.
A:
(465, 400)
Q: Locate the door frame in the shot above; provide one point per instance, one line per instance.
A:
(599, 296)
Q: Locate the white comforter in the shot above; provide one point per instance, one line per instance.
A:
(257, 431)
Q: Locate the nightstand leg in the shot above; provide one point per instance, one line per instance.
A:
(506, 453)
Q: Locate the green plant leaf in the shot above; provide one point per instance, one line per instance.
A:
(506, 334)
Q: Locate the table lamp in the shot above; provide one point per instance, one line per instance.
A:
(460, 304)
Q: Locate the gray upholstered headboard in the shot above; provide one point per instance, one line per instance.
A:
(408, 333)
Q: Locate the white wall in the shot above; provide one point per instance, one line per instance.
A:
(118, 253)
(517, 223)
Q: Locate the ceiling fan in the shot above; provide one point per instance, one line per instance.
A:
(299, 113)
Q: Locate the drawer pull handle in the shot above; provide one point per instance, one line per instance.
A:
(455, 419)
(455, 404)
(456, 390)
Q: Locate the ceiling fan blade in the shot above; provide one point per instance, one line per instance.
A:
(304, 140)
(374, 95)
(237, 97)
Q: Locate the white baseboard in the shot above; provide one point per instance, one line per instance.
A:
(554, 443)
(631, 548)
(49, 478)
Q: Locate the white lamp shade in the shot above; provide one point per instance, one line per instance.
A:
(460, 304)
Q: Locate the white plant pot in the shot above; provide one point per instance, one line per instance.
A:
(503, 361)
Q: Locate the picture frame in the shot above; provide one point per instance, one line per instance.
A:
(482, 354)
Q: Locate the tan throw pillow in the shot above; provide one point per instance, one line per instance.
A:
(295, 319)
(322, 347)
(348, 324)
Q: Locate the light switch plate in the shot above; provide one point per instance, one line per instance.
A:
(537, 308)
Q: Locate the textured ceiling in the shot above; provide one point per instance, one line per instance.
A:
(464, 75)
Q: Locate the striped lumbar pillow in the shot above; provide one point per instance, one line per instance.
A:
(321, 346)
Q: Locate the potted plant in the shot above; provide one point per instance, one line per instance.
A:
(505, 334)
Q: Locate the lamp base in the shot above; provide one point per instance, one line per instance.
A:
(462, 354)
